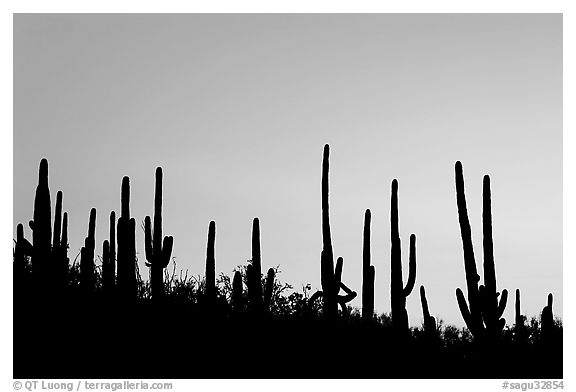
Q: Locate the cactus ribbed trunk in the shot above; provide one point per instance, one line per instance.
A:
(211, 265)
(158, 252)
(126, 236)
(398, 292)
(368, 272)
(87, 273)
(41, 228)
(254, 271)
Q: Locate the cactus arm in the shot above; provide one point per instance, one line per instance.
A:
(502, 303)
(425, 310)
(466, 315)
(338, 272)
(148, 247)
(411, 268)
(57, 221)
(472, 277)
(64, 240)
(167, 246)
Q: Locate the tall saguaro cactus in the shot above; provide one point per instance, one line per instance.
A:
(41, 226)
(330, 278)
(210, 292)
(368, 272)
(258, 303)
(158, 253)
(483, 312)
(59, 267)
(399, 292)
(109, 258)
(126, 238)
(87, 273)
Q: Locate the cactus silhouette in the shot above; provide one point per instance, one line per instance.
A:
(520, 331)
(429, 321)
(60, 261)
(399, 292)
(269, 288)
(257, 303)
(158, 253)
(368, 272)
(330, 278)
(237, 293)
(41, 228)
(483, 312)
(547, 320)
(87, 273)
(126, 242)
(109, 258)
(22, 250)
(210, 292)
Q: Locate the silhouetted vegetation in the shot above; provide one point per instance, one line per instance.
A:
(92, 320)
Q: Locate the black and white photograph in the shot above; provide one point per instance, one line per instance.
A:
(288, 196)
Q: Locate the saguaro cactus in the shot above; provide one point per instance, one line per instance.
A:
(41, 226)
(483, 312)
(210, 292)
(126, 236)
(547, 320)
(22, 249)
(60, 261)
(520, 332)
(158, 253)
(429, 321)
(109, 258)
(237, 295)
(256, 301)
(87, 274)
(368, 273)
(399, 292)
(331, 279)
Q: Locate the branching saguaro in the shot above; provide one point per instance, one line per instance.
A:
(399, 292)
(126, 238)
(158, 250)
(482, 314)
(258, 299)
(331, 279)
(368, 272)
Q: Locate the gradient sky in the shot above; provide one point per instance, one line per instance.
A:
(237, 108)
